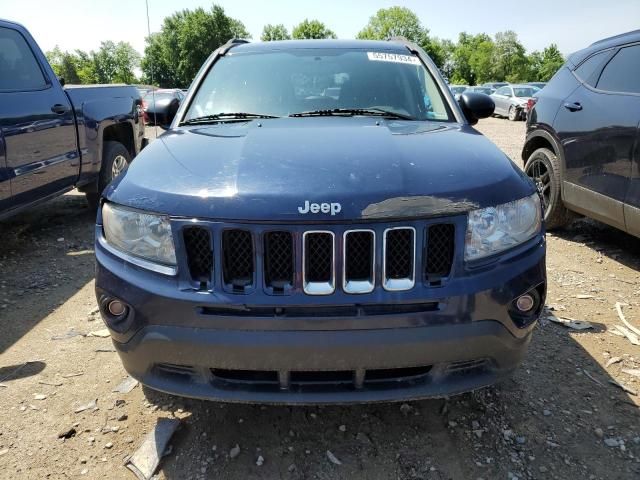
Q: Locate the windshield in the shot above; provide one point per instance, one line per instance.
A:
(456, 89)
(525, 91)
(281, 83)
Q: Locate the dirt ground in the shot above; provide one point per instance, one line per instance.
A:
(559, 417)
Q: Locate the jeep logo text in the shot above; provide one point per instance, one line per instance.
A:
(332, 208)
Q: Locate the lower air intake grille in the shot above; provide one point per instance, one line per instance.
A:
(237, 258)
(197, 242)
(278, 260)
(440, 241)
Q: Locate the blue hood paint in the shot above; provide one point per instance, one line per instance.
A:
(264, 170)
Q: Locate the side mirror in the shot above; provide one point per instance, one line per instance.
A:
(167, 118)
(476, 106)
(62, 82)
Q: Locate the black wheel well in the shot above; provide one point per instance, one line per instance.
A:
(535, 143)
(122, 133)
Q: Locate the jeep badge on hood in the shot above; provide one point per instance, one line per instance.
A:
(332, 208)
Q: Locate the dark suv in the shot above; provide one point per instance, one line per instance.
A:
(321, 223)
(583, 144)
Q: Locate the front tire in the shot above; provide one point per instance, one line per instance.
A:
(514, 115)
(115, 159)
(544, 168)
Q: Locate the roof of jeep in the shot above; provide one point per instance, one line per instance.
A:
(387, 46)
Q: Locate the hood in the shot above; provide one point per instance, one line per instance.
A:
(319, 169)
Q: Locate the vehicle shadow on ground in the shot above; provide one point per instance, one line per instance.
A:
(605, 240)
(550, 420)
(22, 370)
(47, 257)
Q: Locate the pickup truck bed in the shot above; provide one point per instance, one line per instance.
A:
(54, 139)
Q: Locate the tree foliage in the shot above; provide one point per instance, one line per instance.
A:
(271, 33)
(311, 29)
(174, 55)
(551, 62)
(112, 63)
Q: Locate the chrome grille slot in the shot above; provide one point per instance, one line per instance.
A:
(237, 259)
(359, 261)
(398, 266)
(439, 252)
(318, 262)
(197, 242)
(278, 260)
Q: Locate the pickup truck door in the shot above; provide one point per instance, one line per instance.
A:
(598, 126)
(36, 120)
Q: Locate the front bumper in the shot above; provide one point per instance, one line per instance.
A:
(433, 342)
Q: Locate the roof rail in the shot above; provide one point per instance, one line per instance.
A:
(411, 46)
(615, 37)
(232, 43)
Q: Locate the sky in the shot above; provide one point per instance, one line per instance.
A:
(571, 24)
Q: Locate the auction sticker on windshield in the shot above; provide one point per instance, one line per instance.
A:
(393, 57)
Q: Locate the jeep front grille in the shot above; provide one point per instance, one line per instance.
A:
(237, 259)
(289, 260)
(278, 260)
(359, 252)
(398, 267)
(318, 262)
(197, 241)
(439, 252)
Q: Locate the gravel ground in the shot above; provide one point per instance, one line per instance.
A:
(557, 417)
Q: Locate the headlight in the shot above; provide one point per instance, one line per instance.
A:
(495, 229)
(137, 233)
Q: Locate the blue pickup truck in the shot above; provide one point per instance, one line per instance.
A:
(55, 138)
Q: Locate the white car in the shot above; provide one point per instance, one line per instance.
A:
(512, 101)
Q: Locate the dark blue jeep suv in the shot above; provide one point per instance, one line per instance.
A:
(321, 223)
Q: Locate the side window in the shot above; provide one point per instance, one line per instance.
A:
(503, 91)
(589, 70)
(622, 73)
(19, 69)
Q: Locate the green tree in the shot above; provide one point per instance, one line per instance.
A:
(274, 32)
(534, 61)
(472, 59)
(174, 55)
(395, 22)
(509, 59)
(115, 62)
(550, 63)
(311, 29)
(63, 65)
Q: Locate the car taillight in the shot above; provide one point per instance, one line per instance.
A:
(531, 103)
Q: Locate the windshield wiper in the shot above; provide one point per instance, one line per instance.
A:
(372, 111)
(221, 117)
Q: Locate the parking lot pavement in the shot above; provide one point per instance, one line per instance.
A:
(558, 417)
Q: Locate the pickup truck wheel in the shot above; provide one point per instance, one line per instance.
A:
(115, 159)
(543, 167)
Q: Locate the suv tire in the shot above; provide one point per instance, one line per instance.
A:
(115, 159)
(543, 167)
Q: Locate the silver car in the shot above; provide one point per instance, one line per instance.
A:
(512, 101)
